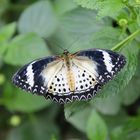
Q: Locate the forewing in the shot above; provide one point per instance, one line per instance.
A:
(108, 63)
(30, 77)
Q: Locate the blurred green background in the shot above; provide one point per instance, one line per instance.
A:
(37, 28)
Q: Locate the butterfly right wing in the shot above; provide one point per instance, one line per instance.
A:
(35, 76)
(107, 63)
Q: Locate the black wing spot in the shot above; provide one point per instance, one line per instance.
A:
(86, 85)
(81, 87)
(58, 79)
(83, 75)
(64, 89)
(93, 79)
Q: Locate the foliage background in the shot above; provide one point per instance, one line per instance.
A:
(37, 28)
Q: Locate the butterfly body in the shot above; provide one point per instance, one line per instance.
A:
(70, 77)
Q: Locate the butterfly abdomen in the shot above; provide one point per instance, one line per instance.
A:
(71, 81)
(70, 76)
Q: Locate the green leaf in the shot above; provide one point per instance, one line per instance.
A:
(105, 38)
(63, 6)
(17, 100)
(75, 29)
(96, 127)
(110, 8)
(128, 131)
(117, 133)
(6, 32)
(38, 18)
(109, 105)
(73, 108)
(25, 48)
(81, 22)
(132, 124)
(37, 128)
(117, 120)
(90, 4)
(105, 8)
(131, 92)
(78, 116)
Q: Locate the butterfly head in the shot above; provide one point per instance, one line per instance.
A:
(66, 52)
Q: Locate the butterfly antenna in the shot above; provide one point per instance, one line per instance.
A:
(71, 45)
(49, 44)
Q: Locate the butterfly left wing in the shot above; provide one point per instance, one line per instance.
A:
(29, 77)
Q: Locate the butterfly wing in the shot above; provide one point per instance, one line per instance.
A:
(30, 78)
(108, 63)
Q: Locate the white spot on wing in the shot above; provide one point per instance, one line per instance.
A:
(107, 61)
(30, 75)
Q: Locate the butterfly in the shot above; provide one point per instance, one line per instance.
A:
(69, 77)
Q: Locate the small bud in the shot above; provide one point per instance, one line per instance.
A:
(2, 79)
(15, 120)
(123, 22)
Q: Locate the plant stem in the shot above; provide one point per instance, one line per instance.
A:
(119, 45)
